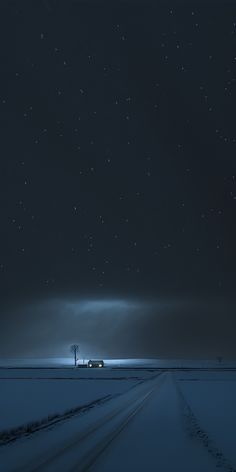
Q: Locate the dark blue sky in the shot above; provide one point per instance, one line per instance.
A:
(118, 141)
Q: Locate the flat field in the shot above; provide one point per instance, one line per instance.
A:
(118, 419)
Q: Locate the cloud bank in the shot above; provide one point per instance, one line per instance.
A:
(120, 328)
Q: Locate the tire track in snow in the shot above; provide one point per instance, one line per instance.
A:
(87, 444)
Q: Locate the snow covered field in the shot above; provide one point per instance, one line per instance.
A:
(212, 399)
(67, 362)
(153, 419)
(28, 395)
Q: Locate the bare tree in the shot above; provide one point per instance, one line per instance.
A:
(74, 348)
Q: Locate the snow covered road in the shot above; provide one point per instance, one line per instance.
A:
(157, 440)
(145, 428)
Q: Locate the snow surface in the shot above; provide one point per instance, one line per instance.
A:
(27, 395)
(184, 421)
(156, 440)
(212, 399)
(162, 363)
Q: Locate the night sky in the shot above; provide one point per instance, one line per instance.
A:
(118, 177)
